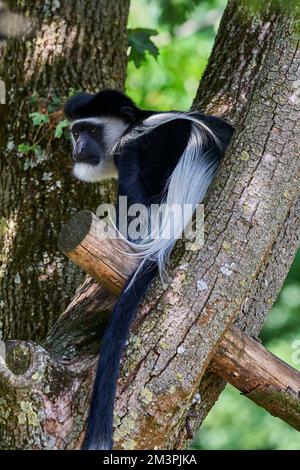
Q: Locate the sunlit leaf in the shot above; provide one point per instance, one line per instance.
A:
(39, 118)
(59, 130)
(140, 43)
(24, 148)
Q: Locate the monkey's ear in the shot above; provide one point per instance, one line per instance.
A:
(128, 113)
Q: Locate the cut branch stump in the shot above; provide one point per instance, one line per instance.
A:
(239, 359)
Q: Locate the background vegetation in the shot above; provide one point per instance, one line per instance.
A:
(183, 32)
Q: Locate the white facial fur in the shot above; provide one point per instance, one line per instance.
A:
(94, 173)
(113, 130)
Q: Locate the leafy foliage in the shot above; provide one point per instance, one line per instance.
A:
(59, 130)
(140, 42)
(39, 119)
(173, 13)
(24, 148)
(171, 81)
(47, 117)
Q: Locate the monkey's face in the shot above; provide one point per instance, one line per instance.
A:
(93, 142)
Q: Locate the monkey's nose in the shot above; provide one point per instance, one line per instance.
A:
(79, 154)
(78, 157)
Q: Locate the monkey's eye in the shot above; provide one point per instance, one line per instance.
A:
(75, 134)
(93, 131)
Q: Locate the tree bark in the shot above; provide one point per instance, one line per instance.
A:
(252, 223)
(239, 359)
(251, 212)
(83, 241)
(228, 94)
(37, 191)
(259, 375)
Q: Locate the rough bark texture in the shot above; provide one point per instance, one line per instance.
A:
(45, 392)
(91, 245)
(258, 374)
(38, 193)
(239, 359)
(229, 94)
(251, 213)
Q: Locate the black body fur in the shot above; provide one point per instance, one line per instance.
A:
(144, 166)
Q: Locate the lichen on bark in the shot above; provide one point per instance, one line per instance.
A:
(38, 193)
(252, 208)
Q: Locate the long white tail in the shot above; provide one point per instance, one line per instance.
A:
(185, 188)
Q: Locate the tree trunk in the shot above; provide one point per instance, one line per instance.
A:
(252, 223)
(239, 359)
(241, 50)
(252, 233)
(37, 190)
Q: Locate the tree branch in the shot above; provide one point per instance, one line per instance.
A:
(258, 374)
(248, 207)
(240, 360)
(248, 216)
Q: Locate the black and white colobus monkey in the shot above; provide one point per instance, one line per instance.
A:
(168, 157)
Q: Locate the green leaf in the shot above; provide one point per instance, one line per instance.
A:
(39, 118)
(173, 13)
(37, 150)
(56, 100)
(24, 148)
(73, 91)
(59, 130)
(140, 43)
